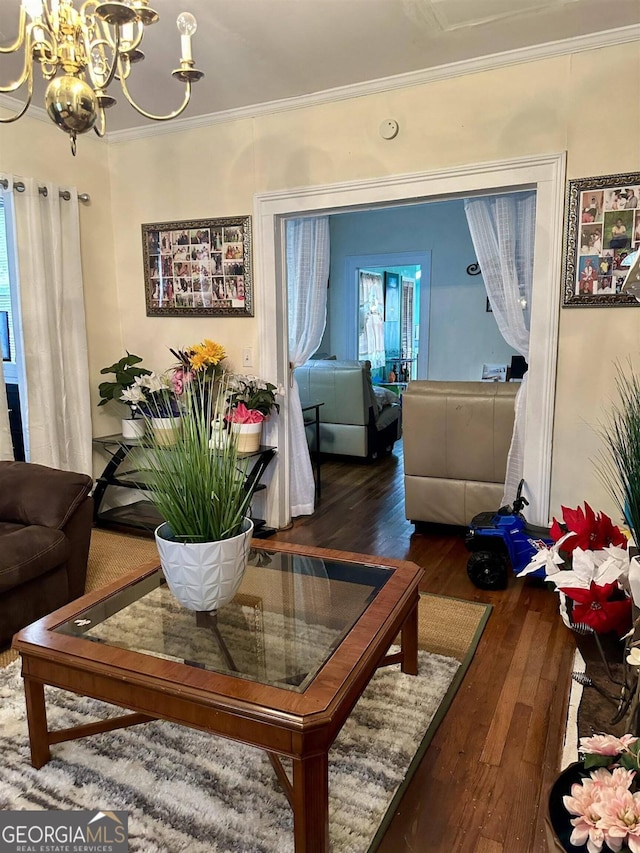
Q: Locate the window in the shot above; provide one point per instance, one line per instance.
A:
(10, 340)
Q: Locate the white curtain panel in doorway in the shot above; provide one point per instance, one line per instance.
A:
(503, 229)
(58, 413)
(308, 261)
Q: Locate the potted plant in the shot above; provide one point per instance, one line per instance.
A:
(594, 804)
(620, 463)
(250, 402)
(125, 371)
(154, 397)
(588, 564)
(201, 493)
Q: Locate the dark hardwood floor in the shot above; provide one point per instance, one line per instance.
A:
(498, 749)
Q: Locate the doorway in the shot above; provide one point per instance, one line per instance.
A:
(342, 335)
(545, 174)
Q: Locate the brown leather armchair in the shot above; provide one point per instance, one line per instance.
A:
(45, 531)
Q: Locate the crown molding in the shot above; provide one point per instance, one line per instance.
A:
(579, 44)
(593, 41)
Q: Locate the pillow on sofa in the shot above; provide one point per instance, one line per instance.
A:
(384, 397)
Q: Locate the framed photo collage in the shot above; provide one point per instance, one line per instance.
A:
(198, 267)
(603, 227)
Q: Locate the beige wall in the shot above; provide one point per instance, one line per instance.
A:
(541, 107)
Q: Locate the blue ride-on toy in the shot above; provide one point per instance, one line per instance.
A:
(503, 540)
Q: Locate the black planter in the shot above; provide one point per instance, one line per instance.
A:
(557, 821)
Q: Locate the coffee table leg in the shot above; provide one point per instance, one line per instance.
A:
(37, 721)
(410, 641)
(311, 804)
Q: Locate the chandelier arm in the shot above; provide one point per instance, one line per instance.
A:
(115, 47)
(26, 106)
(174, 114)
(27, 73)
(21, 33)
(100, 131)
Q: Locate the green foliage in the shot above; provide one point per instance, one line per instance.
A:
(126, 370)
(619, 467)
(592, 760)
(254, 393)
(198, 490)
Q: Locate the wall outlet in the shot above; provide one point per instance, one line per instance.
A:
(247, 357)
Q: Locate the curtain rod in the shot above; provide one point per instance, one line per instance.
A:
(65, 194)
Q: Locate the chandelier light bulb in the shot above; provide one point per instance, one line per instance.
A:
(187, 25)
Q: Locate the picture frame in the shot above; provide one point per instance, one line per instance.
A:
(602, 227)
(391, 297)
(198, 267)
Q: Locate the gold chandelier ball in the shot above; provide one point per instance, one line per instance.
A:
(71, 104)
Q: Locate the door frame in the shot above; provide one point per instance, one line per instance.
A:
(544, 173)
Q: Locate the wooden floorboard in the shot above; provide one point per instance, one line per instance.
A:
(478, 787)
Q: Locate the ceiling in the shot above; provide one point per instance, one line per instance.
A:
(258, 51)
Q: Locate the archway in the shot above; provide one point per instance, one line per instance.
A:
(545, 174)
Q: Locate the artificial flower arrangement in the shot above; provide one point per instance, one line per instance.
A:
(605, 803)
(203, 360)
(153, 396)
(251, 400)
(159, 395)
(589, 565)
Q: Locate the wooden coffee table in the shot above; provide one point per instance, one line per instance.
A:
(280, 668)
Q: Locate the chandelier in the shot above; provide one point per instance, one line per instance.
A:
(82, 51)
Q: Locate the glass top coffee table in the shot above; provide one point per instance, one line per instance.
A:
(280, 667)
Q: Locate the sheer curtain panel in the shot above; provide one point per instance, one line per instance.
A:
(53, 325)
(307, 277)
(503, 229)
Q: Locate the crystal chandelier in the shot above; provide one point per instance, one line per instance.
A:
(82, 51)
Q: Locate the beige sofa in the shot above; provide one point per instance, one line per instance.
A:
(456, 441)
(354, 420)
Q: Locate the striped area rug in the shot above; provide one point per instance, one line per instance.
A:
(189, 792)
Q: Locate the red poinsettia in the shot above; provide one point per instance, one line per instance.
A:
(594, 607)
(593, 531)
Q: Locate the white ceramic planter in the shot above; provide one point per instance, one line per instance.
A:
(204, 576)
(248, 436)
(133, 427)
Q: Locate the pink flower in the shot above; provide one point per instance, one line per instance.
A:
(606, 744)
(584, 803)
(179, 378)
(620, 818)
(241, 415)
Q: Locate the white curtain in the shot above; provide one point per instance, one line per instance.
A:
(503, 229)
(57, 409)
(307, 276)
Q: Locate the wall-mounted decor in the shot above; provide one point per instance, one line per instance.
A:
(200, 267)
(391, 297)
(602, 228)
